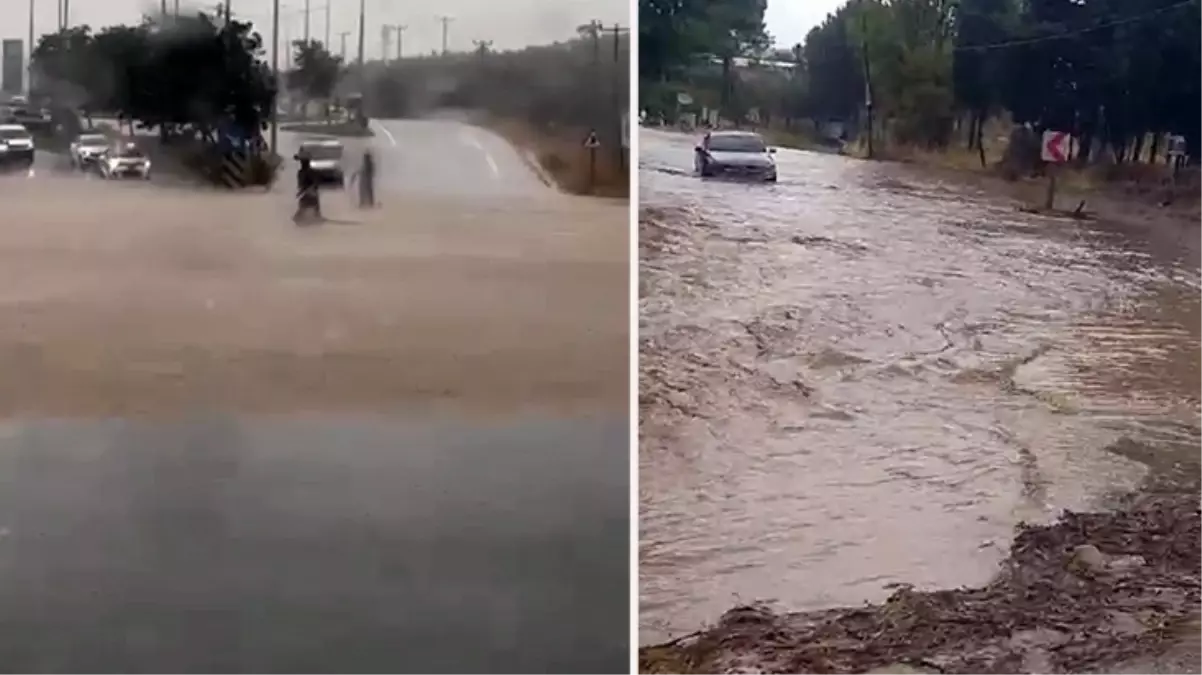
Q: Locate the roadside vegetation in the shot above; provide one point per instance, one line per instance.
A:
(545, 99)
(134, 73)
(198, 80)
(955, 83)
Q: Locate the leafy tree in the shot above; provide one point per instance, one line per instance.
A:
(135, 73)
(317, 70)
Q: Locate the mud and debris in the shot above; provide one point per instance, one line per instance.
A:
(1089, 593)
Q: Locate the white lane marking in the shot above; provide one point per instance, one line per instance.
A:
(471, 140)
(387, 133)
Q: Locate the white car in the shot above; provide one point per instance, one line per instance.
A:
(87, 148)
(123, 160)
(325, 158)
(16, 145)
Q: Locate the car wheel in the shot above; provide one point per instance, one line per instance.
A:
(772, 178)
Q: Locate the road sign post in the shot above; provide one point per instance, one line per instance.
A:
(591, 143)
(1053, 149)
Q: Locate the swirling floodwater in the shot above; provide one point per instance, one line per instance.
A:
(866, 375)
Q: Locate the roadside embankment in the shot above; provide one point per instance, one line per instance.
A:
(562, 160)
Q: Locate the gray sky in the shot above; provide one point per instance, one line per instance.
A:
(789, 20)
(508, 23)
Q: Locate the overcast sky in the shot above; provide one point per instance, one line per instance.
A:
(508, 23)
(789, 20)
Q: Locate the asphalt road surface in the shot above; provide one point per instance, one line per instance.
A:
(314, 544)
(234, 445)
(451, 157)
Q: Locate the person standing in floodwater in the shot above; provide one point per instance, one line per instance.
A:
(308, 196)
(367, 181)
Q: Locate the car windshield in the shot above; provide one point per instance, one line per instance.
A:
(322, 151)
(737, 144)
(128, 152)
(91, 141)
(14, 133)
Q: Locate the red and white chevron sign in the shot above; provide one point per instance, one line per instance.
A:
(1054, 148)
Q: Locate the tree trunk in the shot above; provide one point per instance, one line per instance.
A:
(1155, 148)
(1137, 149)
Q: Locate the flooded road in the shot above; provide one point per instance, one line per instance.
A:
(396, 443)
(865, 376)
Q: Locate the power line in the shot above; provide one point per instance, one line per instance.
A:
(1073, 33)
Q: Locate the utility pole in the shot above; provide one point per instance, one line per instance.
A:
(326, 45)
(343, 35)
(594, 31)
(162, 8)
(385, 31)
(176, 8)
(867, 80)
(275, 70)
(616, 91)
(400, 38)
(306, 21)
(446, 21)
(227, 10)
(29, 63)
(66, 13)
(60, 15)
(362, 35)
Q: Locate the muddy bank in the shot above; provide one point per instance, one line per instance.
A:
(1087, 593)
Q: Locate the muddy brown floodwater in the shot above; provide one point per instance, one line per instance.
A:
(866, 376)
(127, 298)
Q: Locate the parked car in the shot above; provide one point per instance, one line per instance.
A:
(735, 154)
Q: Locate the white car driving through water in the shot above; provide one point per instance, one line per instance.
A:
(325, 158)
(123, 159)
(86, 148)
(16, 146)
(735, 154)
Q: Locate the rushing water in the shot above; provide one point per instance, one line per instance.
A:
(865, 376)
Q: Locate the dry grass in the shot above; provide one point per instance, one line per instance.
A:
(564, 161)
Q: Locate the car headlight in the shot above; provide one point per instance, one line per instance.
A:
(146, 165)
